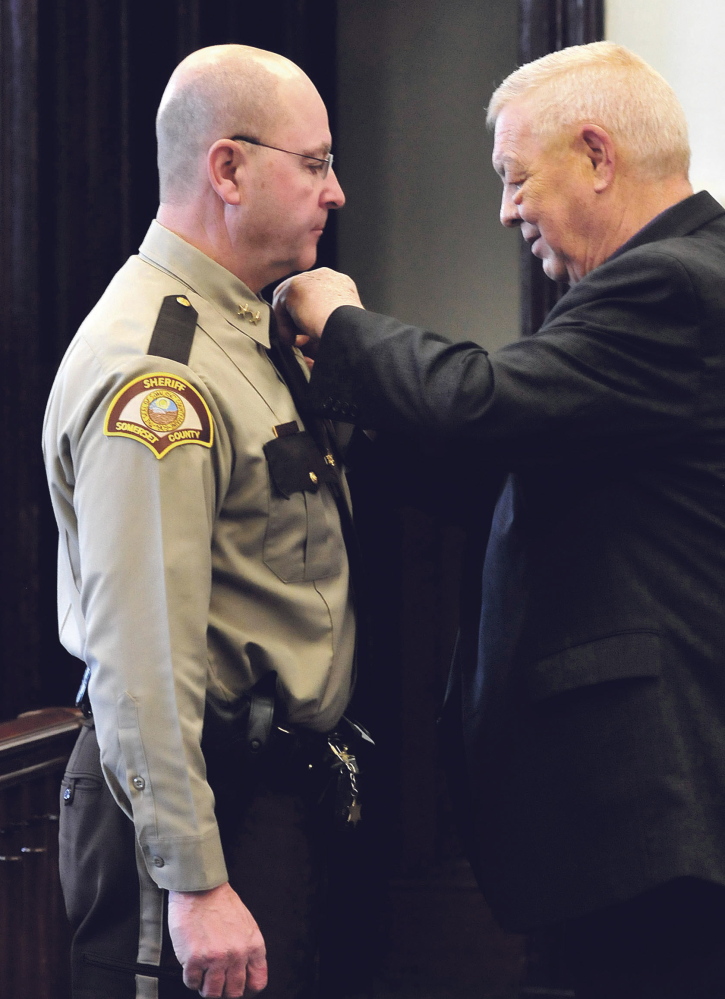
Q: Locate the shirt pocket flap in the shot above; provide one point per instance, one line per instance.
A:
(296, 465)
(626, 656)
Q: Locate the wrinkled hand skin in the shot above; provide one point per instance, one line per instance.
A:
(218, 943)
(304, 303)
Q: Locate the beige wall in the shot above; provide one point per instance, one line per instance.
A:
(684, 42)
(420, 232)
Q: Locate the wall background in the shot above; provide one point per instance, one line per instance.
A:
(683, 41)
(420, 231)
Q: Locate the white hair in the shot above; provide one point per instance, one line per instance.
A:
(607, 85)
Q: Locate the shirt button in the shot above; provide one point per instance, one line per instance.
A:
(139, 783)
(158, 861)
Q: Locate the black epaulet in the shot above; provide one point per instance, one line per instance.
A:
(173, 333)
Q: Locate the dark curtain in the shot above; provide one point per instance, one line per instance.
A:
(80, 81)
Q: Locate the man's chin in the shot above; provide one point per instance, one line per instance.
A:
(306, 255)
(307, 260)
(555, 270)
(287, 268)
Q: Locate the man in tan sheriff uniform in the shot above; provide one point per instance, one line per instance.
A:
(184, 568)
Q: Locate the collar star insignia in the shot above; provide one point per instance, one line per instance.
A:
(246, 313)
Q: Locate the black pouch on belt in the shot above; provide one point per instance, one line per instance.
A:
(249, 740)
(238, 733)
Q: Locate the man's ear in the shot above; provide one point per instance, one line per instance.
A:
(597, 146)
(225, 164)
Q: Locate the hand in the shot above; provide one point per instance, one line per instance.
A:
(304, 303)
(217, 942)
(289, 334)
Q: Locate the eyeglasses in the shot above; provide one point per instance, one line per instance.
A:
(326, 163)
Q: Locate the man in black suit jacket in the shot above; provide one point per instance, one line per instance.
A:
(593, 712)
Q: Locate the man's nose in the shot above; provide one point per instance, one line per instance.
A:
(332, 195)
(509, 214)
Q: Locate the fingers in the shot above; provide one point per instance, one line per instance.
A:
(223, 979)
(256, 973)
(280, 292)
(310, 298)
(285, 327)
(214, 979)
(217, 942)
(219, 984)
(308, 347)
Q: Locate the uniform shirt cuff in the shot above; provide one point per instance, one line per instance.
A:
(193, 864)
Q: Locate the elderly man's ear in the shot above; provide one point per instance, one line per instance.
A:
(597, 146)
(225, 168)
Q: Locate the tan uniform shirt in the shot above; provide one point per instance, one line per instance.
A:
(187, 571)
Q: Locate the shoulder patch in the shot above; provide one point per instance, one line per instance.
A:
(161, 411)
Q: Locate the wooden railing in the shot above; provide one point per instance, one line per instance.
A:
(34, 936)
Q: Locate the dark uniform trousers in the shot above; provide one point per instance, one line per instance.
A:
(278, 843)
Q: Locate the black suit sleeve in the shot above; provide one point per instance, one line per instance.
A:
(619, 357)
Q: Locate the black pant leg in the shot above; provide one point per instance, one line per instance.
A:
(275, 841)
(274, 857)
(115, 910)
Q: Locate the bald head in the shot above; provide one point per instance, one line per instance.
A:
(215, 93)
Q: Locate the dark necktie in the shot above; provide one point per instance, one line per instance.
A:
(322, 431)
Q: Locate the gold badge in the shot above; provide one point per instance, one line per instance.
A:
(245, 312)
(161, 411)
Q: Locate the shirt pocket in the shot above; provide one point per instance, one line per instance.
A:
(303, 541)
